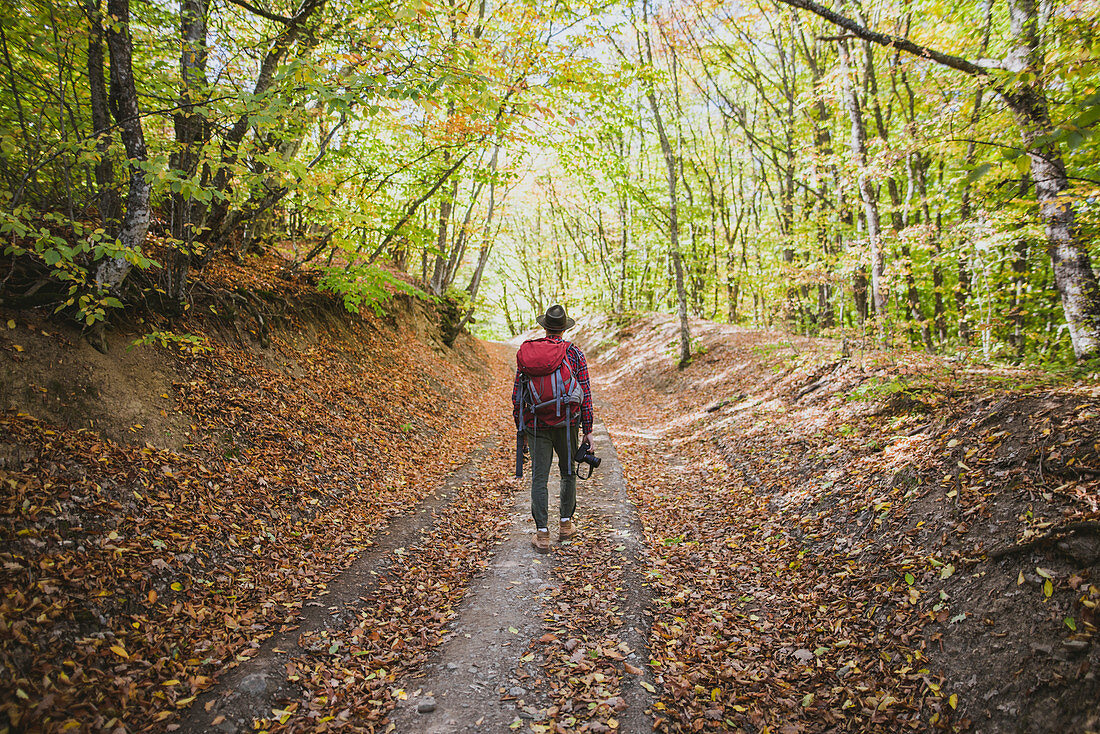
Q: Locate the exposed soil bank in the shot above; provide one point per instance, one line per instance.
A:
(165, 513)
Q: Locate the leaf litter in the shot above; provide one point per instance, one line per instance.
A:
(832, 544)
(825, 534)
(134, 575)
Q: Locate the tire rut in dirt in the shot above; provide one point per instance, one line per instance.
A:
(477, 679)
(594, 653)
(273, 678)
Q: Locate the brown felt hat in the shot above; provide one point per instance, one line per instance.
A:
(555, 319)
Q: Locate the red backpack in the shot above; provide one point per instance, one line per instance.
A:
(551, 392)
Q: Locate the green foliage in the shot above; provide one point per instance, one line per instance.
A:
(343, 138)
(365, 286)
(184, 343)
(372, 140)
(878, 388)
(69, 251)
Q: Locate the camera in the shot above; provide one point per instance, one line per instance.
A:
(585, 456)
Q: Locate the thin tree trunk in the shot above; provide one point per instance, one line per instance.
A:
(1073, 272)
(101, 119)
(879, 295)
(189, 127)
(912, 294)
(672, 168)
(673, 228)
(112, 271)
(486, 246)
(446, 204)
(1019, 284)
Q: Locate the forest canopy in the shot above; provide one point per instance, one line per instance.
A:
(919, 173)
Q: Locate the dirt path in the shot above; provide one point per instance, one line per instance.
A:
(472, 683)
(254, 688)
(496, 669)
(451, 622)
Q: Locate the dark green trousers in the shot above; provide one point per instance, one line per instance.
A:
(543, 444)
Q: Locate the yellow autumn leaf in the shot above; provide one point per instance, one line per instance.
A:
(120, 651)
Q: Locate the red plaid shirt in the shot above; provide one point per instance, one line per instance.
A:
(579, 366)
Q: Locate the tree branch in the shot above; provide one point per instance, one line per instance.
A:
(261, 12)
(411, 209)
(890, 41)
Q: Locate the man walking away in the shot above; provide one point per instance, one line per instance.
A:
(550, 398)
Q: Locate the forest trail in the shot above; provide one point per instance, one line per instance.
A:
(779, 539)
(541, 642)
(501, 664)
(259, 684)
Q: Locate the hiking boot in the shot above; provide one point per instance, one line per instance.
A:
(566, 530)
(541, 541)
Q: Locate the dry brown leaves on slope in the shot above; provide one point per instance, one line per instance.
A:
(821, 526)
(132, 575)
(750, 633)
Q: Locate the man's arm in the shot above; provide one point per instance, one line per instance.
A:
(580, 370)
(517, 401)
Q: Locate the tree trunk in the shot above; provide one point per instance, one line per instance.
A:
(673, 222)
(101, 119)
(1073, 272)
(124, 104)
(823, 147)
(867, 195)
(190, 137)
(446, 204)
(1019, 283)
(484, 251)
(898, 209)
(859, 293)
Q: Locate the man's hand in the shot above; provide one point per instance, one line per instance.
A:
(588, 440)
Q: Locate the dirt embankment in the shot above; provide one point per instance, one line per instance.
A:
(164, 512)
(894, 540)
